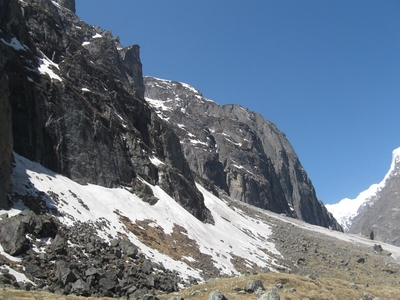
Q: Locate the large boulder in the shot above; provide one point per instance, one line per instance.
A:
(13, 231)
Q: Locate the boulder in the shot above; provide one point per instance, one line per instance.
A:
(58, 245)
(271, 295)
(254, 285)
(216, 295)
(80, 288)
(63, 273)
(12, 236)
(128, 248)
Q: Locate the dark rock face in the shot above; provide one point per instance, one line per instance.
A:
(238, 151)
(6, 141)
(77, 104)
(378, 219)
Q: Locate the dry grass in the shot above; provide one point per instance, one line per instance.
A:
(306, 289)
(10, 294)
(176, 245)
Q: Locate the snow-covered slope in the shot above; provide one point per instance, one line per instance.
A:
(244, 238)
(233, 235)
(347, 209)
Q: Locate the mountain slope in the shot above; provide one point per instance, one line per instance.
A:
(77, 104)
(375, 212)
(95, 226)
(238, 151)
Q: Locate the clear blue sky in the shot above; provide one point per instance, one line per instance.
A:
(326, 72)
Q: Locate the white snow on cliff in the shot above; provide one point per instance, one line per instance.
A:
(347, 209)
(233, 235)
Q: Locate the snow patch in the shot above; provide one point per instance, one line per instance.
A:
(347, 209)
(45, 67)
(18, 276)
(15, 43)
(155, 161)
(97, 36)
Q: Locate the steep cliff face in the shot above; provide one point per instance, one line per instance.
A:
(238, 151)
(78, 108)
(5, 137)
(9, 19)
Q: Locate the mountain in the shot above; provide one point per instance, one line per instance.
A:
(375, 211)
(237, 151)
(119, 185)
(78, 108)
(98, 241)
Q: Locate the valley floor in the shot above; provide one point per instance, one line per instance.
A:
(287, 286)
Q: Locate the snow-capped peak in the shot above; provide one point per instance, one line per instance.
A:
(347, 209)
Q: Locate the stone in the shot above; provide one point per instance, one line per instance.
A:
(12, 236)
(58, 245)
(216, 295)
(253, 285)
(35, 270)
(80, 288)
(270, 295)
(128, 248)
(63, 273)
(353, 286)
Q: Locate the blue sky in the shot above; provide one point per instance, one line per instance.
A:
(327, 73)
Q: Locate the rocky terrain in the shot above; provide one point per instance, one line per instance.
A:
(124, 186)
(238, 151)
(70, 239)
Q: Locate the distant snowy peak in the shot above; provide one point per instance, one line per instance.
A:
(347, 209)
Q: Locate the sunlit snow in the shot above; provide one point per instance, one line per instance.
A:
(347, 209)
(18, 276)
(233, 233)
(46, 66)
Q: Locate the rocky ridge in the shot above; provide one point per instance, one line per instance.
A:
(238, 152)
(374, 213)
(378, 217)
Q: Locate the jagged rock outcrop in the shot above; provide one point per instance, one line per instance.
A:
(378, 217)
(239, 151)
(77, 104)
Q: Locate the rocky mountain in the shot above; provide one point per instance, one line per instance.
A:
(78, 108)
(375, 212)
(77, 104)
(117, 185)
(238, 152)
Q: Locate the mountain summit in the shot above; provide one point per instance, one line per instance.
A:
(237, 151)
(375, 211)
